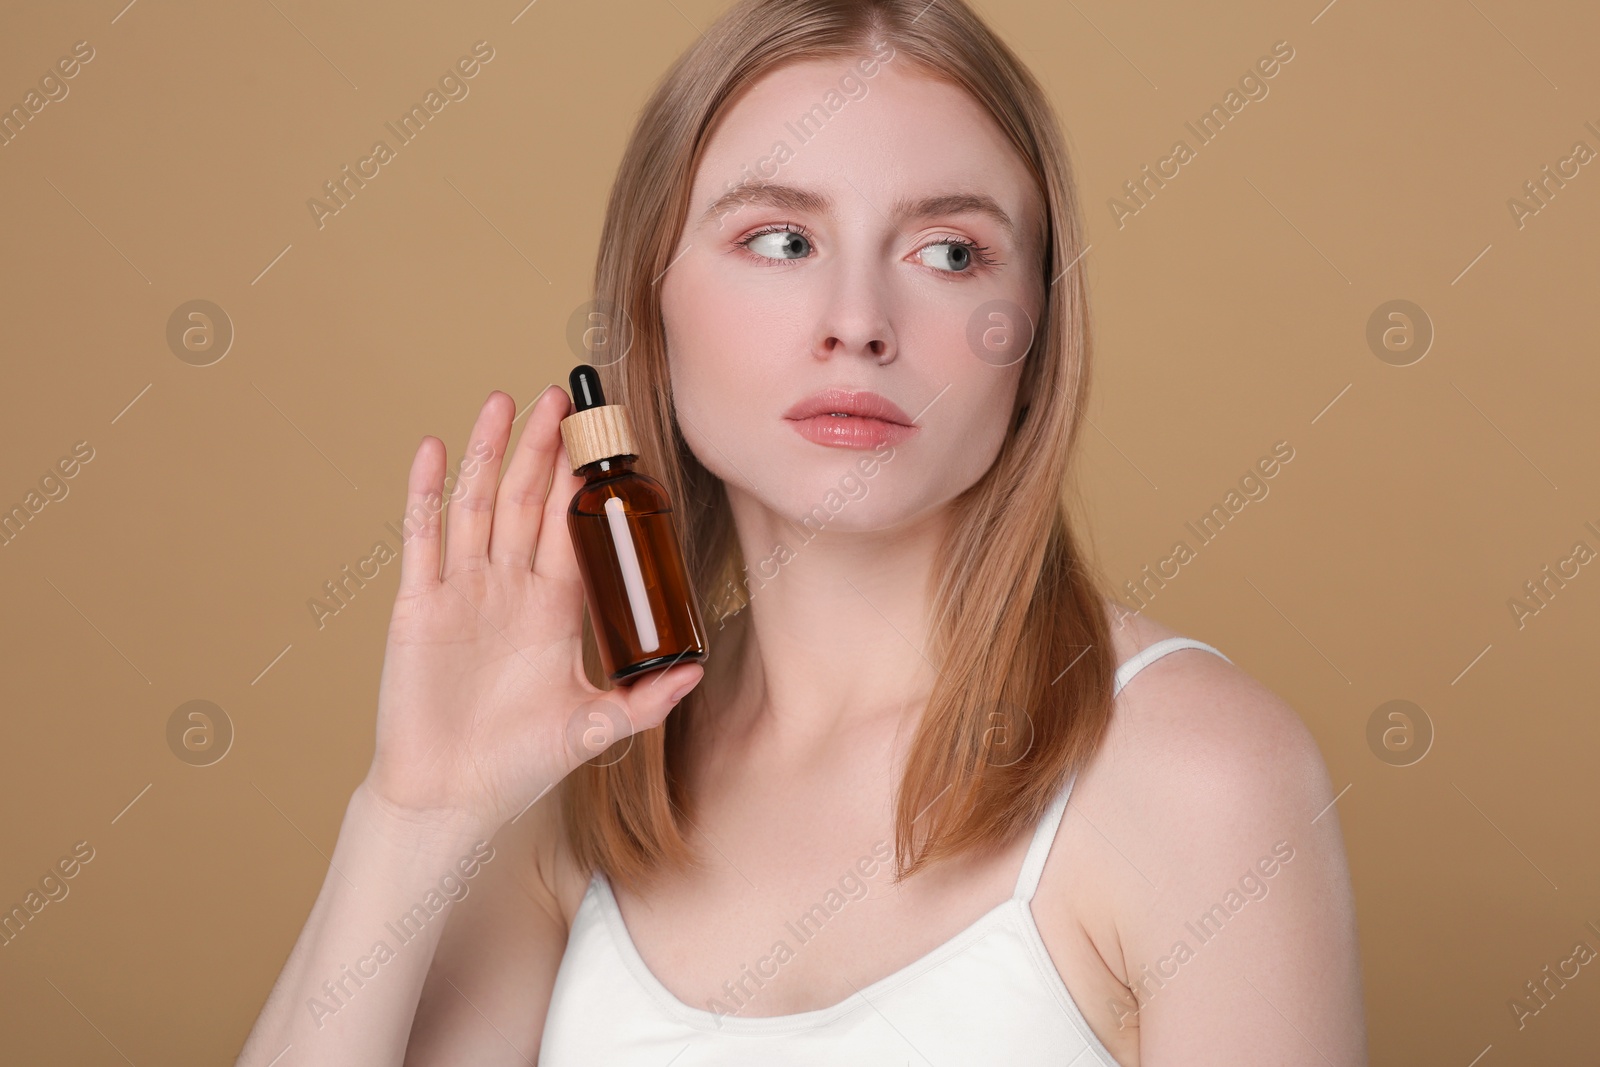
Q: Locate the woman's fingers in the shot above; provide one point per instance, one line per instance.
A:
(471, 507)
(553, 556)
(419, 553)
(519, 504)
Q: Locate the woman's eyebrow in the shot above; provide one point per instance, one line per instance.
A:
(794, 198)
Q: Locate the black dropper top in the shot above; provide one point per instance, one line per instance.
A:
(585, 386)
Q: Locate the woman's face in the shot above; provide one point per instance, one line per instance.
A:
(898, 258)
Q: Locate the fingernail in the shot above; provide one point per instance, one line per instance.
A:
(683, 691)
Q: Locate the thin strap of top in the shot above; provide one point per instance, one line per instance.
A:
(1044, 835)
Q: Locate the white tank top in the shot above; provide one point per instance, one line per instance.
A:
(990, 994)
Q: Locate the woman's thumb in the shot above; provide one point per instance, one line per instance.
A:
(650, 702)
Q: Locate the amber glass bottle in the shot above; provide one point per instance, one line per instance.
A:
(641, 605)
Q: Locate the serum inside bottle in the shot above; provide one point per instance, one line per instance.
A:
(641, 605)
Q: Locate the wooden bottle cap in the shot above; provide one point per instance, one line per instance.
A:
(598, 433)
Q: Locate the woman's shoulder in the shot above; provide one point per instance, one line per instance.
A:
(1198, 721)
(1202, 771)
(1206, 794)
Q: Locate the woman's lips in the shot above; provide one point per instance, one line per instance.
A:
(850, 431)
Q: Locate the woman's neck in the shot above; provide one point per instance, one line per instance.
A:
(835, 638)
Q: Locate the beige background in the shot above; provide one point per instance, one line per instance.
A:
(1232, 313)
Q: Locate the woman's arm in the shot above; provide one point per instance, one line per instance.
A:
(350, 986)
(486, 996)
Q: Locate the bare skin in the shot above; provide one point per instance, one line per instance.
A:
(1203, 771)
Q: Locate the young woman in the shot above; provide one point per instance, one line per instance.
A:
(935, 798)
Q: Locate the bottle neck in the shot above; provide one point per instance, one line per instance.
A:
(609, 467)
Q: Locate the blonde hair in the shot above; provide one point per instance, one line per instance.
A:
(1020, 635)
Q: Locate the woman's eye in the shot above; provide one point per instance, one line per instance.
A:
(779, 244)
(954, 256)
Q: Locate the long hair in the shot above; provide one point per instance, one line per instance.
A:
(1020, 636)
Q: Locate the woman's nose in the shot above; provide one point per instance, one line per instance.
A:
(856, 316)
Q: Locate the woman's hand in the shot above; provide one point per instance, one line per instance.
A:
(483, 704)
